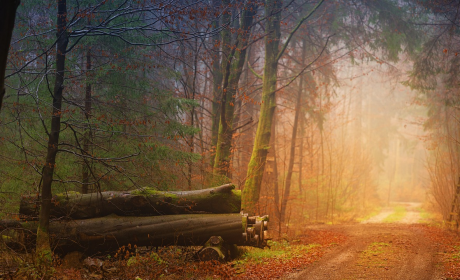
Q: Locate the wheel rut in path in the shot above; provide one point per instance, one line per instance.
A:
(376, 251)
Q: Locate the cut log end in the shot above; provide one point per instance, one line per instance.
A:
(211, 254)
(214, 250)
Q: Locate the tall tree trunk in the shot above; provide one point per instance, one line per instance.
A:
(321, 134)
(394, 177)
(7, 17)
(274, 178)
(358, 148)
(223, 36)
(251, 192)
(192, 146)
(43, 244)
(248, 135)
(298, 109)
(87, 133)
(192, 115)
(230, 84)
(302, 130)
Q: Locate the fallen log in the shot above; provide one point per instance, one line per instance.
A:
(144, 202)
(108, 234)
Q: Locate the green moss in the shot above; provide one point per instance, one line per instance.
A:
(132, 260)
(43, 252)
(264, 218)
(153, 192)
(282, 251)
(375, 255)
(235, 201)
(6, 238)
(67, 194)
(235, 207)
(29, 225)
(237, 193)
(154, 256)
(376, 248)
(456, 254)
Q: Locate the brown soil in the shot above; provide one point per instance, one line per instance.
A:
(377, 251)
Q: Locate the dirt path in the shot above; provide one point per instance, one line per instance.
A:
(412, 214)
(378, 251)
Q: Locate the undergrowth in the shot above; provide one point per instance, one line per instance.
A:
(277, 260)
(428, 217)
(282, 250)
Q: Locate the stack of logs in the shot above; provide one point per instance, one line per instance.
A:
(105, 221)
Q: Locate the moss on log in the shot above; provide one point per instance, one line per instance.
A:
(143, 202)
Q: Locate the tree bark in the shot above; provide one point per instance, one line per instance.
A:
(7, 17)
(219, 63)
(87, 133)
(147, 202)
(112, 232)
(43, 245)
(302, 129)
(251, 192)
(298, 109)
(230, 85)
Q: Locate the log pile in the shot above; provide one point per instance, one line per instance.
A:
(144, 202)
(106, 221)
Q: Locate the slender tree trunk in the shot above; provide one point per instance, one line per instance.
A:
(7, 17)
(192, 147)
(317, 190)
(194, 121)
(251, 192)
(298, 109)
(394, 178)
(302, 130)
(248, 137)
(43, 244)
(230, 84)
(87, 134)
(358, 149)
(274, 179)
(321, 131)
(217, 75)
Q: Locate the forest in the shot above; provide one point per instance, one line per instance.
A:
(225, 139)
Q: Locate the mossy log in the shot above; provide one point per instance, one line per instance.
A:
(108, 234)
(144, 202)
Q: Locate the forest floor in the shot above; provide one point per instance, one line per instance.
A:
(400, 242)
(390, 245)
